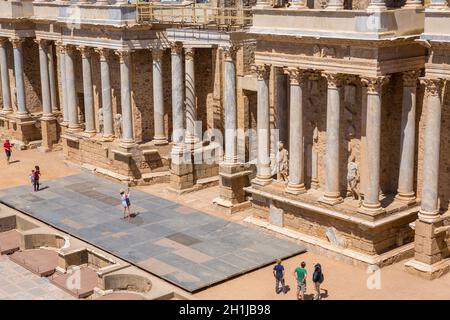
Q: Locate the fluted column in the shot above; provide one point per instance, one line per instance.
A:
(74, 124)
(125, 94)
(371, 203)
(296, 184)
(158, 98)
(177, 94)
(263, 175)
(230, 105)
(87, 90)
(429, 210)
(335, 5)
(332, 193)
(6, 89)
(190, 96)
(45, 81)
(22, 111)
(108, 129)
(52, 78)
(405, 190)
(61, 50)
(377, 5)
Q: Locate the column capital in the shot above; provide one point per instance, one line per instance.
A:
(374, 84)
(123, 54)
(16, 42)
(60, 47)
(41, 42)
(3, 41)
(297, 76)
(410, 78)
(70, 49)
(262, 71)
(189, 53)
(85, 51)
(433, 87)
(335, 80)
(313, 75)
(103, 53)
(230, 52)
(176, 47)
(157, 54)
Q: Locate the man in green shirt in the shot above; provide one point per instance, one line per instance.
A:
(300, 276)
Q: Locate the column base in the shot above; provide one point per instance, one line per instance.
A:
(315, 184)
(406, 197)
(331, 198)
(334, 8)
(89, 134)
(376, 8)
(262, 180)
(74, 129)
(5, 112)
(428, 216)
(371, 209)
(127, 144)
(160, 141)
(295, 188)
(107, 138)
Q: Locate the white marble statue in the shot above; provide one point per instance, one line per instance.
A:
(353, 178)
(282, 163)
(118, 125)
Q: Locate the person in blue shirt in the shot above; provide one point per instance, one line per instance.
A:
(278, 273)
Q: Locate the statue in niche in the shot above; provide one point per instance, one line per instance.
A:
(282, 163)
(100, 120)
(353, 178)
(314, 158)
(118, 125)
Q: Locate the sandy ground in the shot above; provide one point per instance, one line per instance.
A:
(342, 281)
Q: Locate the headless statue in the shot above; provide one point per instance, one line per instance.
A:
(282, 163)
(353, 178)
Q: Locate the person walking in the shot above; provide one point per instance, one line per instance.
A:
(300, 276)
(7, 147)
(37, 176)
(278, 273)
(317, 279)
(125, 198)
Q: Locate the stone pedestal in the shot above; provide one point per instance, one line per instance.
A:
(181, 170)
(233, 179)
(49, 134)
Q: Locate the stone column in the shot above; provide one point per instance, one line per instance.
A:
(263, 175)
(191, 105)
(377, 5)
(125, 94)
(177, 94)
(52, 78)
(371, 203)
(438, 5)
(89, 129)
(429, 210)
(6, 89)
(405, 190)
(61, 49)
(296, 184)
(363, 158)
(158, 98)
(22, 111)
(332, 193)
(413, 4)
(72, 107)
(45, 81)
(335, 5)
(108, 130)
(229, 102)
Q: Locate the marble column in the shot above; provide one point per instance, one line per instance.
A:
(107, 114)
(405, 191)
(125, 95)
(229, 101)
(61, 50)
(438, 5)
(296, 184)
(74, 124)
(332, 193)
(191, 105)
(263, 175)
(158, 98)
(177, 94)
(86, 54)
(377, 5)
(371, 203)
(363, 157)
(22, 111)
(429, 210)
(45, 81)
(335, 5)
(6, 89)
(52, 78)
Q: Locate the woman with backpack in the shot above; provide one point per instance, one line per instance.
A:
(317, 279)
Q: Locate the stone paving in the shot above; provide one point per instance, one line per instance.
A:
(17, 283)
(184, 246)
